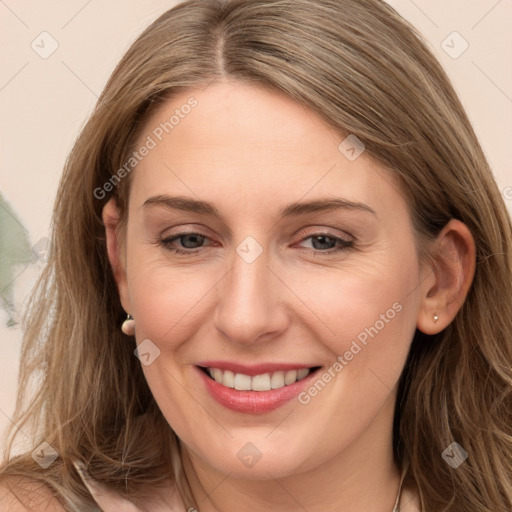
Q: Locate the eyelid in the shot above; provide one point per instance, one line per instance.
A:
(317, 231)
(185, 229)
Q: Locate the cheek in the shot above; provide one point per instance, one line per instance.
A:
(166, 299)
(370, 302)
(367, 321)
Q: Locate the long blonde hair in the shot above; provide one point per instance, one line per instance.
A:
(363, 69)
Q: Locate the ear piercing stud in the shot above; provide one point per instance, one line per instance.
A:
(436, 318)
(128, 326)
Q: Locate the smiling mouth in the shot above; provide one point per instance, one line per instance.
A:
(263, 382)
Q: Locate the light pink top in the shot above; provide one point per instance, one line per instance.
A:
(109, 501)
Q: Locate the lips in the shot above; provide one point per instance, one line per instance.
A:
(254, 389)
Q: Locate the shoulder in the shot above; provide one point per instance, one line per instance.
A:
(26, 495)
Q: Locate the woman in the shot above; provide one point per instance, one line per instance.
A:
(200, 348)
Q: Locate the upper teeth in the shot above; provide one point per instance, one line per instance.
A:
(264, 382)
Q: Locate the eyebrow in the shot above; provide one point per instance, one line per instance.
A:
(290, 210)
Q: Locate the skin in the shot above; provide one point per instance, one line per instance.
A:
(250, 152)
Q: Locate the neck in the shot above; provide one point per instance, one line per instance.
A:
(362, 478)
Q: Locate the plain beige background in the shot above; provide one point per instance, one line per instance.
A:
(45, 101)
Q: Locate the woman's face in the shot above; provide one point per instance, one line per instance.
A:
(296, 260)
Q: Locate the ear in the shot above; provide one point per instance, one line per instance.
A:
(116, 251)
(447, 278)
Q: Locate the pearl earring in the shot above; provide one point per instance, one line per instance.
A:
(128, 326)
(436, 318)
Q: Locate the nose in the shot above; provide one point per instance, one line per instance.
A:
(251, 302)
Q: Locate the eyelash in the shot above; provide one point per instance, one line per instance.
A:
(345, 244)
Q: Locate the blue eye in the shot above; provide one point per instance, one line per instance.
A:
(190, 239)
(331, 241)
(192, 243)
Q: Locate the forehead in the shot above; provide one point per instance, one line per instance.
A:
(252, 144)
